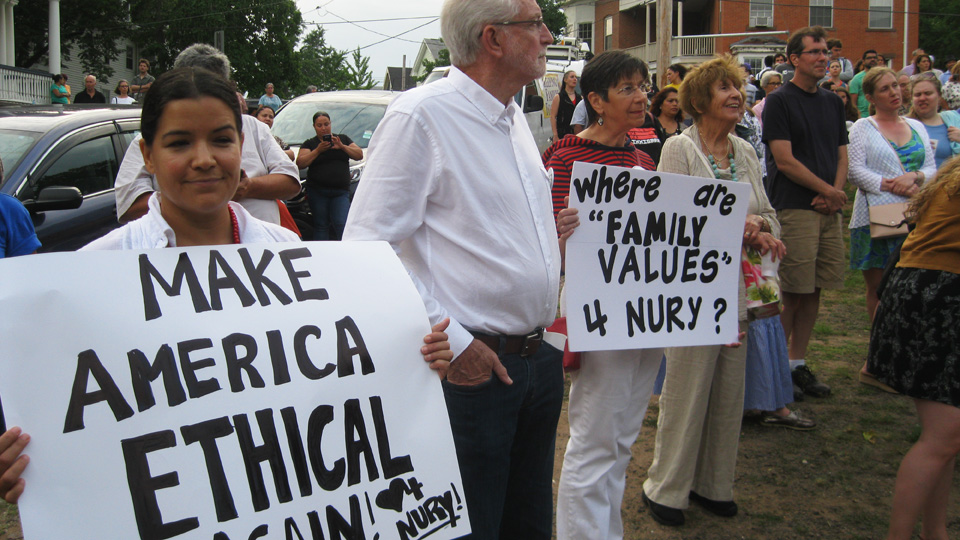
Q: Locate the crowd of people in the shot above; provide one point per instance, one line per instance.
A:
(484, 232)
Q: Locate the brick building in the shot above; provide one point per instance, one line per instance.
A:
(759, 27)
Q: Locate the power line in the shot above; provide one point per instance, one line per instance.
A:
(400, 34)
(397, 36)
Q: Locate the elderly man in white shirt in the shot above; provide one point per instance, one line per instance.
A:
(454, 182)
(270, 175)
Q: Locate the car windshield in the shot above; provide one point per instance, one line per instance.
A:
(294, 123)
(14, 145)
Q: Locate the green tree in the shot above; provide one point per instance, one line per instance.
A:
(321, 65)
(443, 59)
(938, 27)
(90, 32)
(259, 39)
(553, 17)
(361, 78)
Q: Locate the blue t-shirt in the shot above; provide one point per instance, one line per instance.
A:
(273, 102)
(17, 236)
(943, 151)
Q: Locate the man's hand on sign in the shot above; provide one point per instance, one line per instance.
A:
(475, 365)
(12, 463)
(437, 351)
(567, 221)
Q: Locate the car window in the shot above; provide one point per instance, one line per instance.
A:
(89, 166)
(14, 145)
(127, 137)
(294, 123)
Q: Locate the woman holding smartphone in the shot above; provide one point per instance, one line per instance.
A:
(327, 160)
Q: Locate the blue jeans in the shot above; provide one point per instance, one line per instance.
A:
(329, 208)
(505, 438)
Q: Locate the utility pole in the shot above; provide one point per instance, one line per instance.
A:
(664, 35)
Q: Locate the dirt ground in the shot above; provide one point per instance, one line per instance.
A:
(833, 482)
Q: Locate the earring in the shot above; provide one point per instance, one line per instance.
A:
(600, 120)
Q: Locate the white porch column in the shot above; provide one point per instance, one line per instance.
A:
(8, 31)
(680, 18)
(646, 38)
(3, 32)
(53, 30)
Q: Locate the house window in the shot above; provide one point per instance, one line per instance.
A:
(585, 33)
(608, 33)
(130, 58)
(881, 14)
(761, 13)
(821, 13)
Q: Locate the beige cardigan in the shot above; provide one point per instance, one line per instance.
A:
(682, 155)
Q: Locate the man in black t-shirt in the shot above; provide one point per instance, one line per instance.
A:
(90, 93)
(804, 128)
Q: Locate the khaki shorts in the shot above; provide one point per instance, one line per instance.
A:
(815, 251)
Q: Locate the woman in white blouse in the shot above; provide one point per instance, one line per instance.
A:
(122, 90)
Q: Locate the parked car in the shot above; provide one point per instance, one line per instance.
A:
(61, 161)
(355, 113)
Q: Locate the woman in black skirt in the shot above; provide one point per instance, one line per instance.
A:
(914, 348)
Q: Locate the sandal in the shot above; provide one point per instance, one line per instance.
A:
(791, 421)
(870, 380)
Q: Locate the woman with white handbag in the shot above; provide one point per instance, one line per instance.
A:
(890, 159)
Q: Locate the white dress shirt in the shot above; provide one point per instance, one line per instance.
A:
(261, 155)
(152, 231)
(455, 183)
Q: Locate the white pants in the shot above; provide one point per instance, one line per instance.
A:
(608, 400)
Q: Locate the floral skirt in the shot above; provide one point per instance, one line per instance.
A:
(867, 253)
(915, 339)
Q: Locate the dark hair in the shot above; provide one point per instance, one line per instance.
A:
(57, 76)
(144, 61)
(318, 114)
(604, 71)
(657, 106)
(866, 52)
(916, 63)
(184, 83)
(262, 107)
(768, 60)
(834, 42)
(780, 55)
(850, 109)
(795, 43)
(827, 85)
(679, 69)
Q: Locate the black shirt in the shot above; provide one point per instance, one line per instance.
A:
(815, 125)
(331, 169)
(84, 97)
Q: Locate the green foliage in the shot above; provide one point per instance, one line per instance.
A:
(89, 31)
(258, 39)
(938, 28)
(443, 59)
(361, 78)
(555, 20)
(321, 65)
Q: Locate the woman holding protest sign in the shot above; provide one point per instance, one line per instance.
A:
(610, 390)
(701, 405)
(191, 142)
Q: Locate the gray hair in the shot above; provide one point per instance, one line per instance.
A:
(204, 56)
(765, 80)
(462, 22)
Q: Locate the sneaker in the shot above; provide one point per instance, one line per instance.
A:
(664, 515)
(717, 508)
(794, 420)
(807, 381)
(797, 393)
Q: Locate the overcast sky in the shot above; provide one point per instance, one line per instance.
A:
(346, 36)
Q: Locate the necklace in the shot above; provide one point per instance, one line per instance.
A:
(713, 160)
(234, 226)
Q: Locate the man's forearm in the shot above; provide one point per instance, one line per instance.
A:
(272, 186)
(842, 164)
(801, 175)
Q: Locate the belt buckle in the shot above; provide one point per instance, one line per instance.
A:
(531, 342)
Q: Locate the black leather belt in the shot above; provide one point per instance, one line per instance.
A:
(523, 345)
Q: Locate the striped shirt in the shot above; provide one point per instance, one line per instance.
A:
(562, 154)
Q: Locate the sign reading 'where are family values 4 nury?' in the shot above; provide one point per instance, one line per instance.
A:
(655, 260)
(226, 392)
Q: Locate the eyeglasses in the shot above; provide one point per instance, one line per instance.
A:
(771, 83)
(816, 52)
(536, 24)
(630, 90)
(871, 57)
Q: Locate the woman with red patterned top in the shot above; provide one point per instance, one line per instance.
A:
(610, 391)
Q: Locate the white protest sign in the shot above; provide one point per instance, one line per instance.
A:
(226, 392)
(655, 260)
